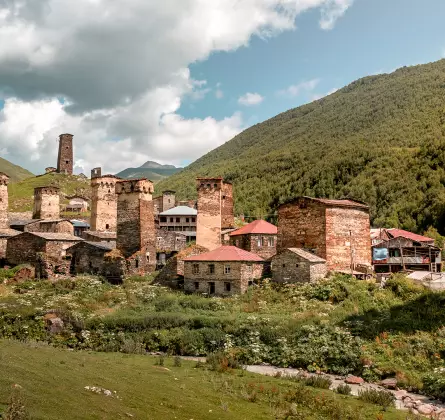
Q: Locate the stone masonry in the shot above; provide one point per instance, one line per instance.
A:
(136, 232)
(65, 157)
(4, 180)
(104, 203)
(261, 244)
(335, 230)
(227, 217)
(46, 203)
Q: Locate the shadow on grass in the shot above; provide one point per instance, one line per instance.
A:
(424, 313)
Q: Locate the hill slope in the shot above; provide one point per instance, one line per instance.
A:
(380, 140)
(15, 172)
(151, 170)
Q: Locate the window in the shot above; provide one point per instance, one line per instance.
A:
(227, 269)
(195, 268)
(211, 288)
(163, 219)
(237, 243)
(260, 241)
(67, 161)
(223, 197)
(178, 220)
(297, 265)
(211, 268)
(107, 226)
(284, 265)
(208, 185)
(147, 255)
(227, 286)
(193, 219)
(171, 219)
(136, 263)
(187, 220)
(250, 283)
(215, 185)
(270, 241)
(196, 285)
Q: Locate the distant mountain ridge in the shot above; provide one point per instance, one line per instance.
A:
(15, 172)
(151, 170)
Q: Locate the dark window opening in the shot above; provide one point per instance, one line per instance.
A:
(284, 265)
(171, 219)
(193, 219)
(195, 268)
(227, 286)
(67, 161)
(212, 288)
(107, 226)
(163, 219)
(136, 263)
(187, 220)
(208, 185)
(224, 197)
(215, 185)
(178, 220)
(297, 265)
(196, 285)
(211, 268)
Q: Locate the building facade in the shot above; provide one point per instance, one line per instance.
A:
(103, 203)
(335, 230)
(164, 202)
(295, 265)
(179, 219)
(224, 271)
(259, 237)
(46, 203)
(65, 156)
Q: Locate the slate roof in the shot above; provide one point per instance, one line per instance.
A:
(9, 233)
(106, 246)
(257, 226)
(102, 235)
(226, 253)
(331, 202)
(179, 211)
(307, 255)
(50, 236)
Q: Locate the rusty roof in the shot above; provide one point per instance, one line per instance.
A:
(226, 253)
(396, 233)
(257, 226)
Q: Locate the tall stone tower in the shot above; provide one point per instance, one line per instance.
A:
(215, 211)
(136, 232)
(103, 203)
(96, 173)
(4, 180)
(65, 158)
(46, 203)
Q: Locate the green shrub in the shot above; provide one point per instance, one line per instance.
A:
(16, 409)
(343, 389)
(318, 381)
(434, 385)
(220, 362)
(177, 362)
(383, 398)
(404, 287)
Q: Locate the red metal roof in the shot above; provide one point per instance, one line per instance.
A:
(396, 233)
(258, 226)
(226, 253)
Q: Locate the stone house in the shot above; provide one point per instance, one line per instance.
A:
(168, 243)
(45, 251)
(95, 236)
(48, 225)
(5, 234)
(88, 257)
(335, 230)
(224, 271)
(295, 265)
(179, 219)
(164, 202)
(259, 237)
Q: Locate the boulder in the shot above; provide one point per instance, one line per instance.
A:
(425, 409)
(401, 395)
(354, 380)
(53, 323)
(390, 383)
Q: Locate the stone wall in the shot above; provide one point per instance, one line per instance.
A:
(251, 243)
(52, 226)
(65, 156)
(348, 238)
(46, 203)
(241, 273)
(301, 224)
(4, 180)
(208, 224)
(169, 241)
(103, 203)
(23, 248)
(288, 267)
(3, 243)
(87, 258)
(168, 200)
(227, 217)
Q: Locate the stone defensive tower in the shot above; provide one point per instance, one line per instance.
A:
(4, 180)
(65, 158)
(46, 203)
(96, 173)
(136, 232)
(103, 203)
(215, 211)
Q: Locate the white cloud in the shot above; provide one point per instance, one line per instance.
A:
(296, 90)
(122, 71)
(219, 94)
(250, 99)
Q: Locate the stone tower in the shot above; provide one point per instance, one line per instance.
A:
(46, 203)
(103, 203)
(136, 232)
(168, 200)
(215, 211)
(65, 158)
(96, 173)
(4, 180)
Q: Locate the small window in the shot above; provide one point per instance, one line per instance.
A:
(227, 269)
(107, 226)
(171, 219)
(169, 201)
(297, 265)
(178, 220)
(270, 241)
(196, 285)
(147, 255)
(195, 268)
(260, 241)
(284, 265)
(67, 161)
(227, 286)
(211, 268)
(215, 185)
(163, 219)
(208, 185)
(187, 220)
(193, 219)
(223, 197)
(136, 263)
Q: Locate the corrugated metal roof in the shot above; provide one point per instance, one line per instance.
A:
(226, 253)
(396, 233)
(257, 226)
(180, 211)
(306, 255)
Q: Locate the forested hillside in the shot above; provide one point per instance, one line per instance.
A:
(380, 140)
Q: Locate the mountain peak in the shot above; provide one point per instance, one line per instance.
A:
(155, 165)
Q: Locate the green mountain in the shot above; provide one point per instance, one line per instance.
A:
(15, 172)
(380, 140)
(151, 170)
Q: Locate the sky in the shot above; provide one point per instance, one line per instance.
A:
(169, 81)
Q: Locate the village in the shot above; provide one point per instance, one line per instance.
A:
(195, 245)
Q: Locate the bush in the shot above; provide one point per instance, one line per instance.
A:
(318, 381)
(383, 398)
(404, 287)
(16, 406)
(220, 362)
(434, 385)
(177, 362)
(343, 389)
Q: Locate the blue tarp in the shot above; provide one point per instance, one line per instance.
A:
(379, 254)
